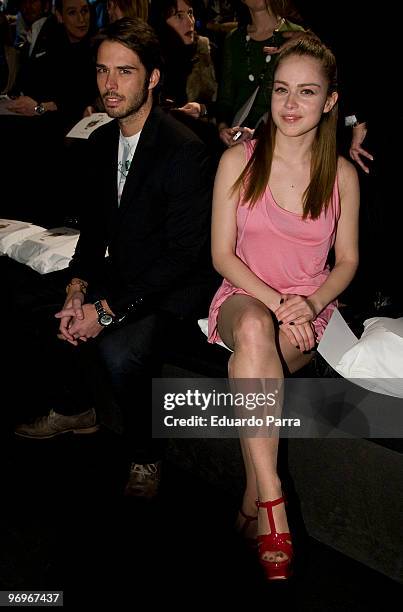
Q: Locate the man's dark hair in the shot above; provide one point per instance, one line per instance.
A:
(138, 36)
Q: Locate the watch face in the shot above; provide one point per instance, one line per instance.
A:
(106, 319)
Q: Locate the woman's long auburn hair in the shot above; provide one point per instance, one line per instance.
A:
(256, 174)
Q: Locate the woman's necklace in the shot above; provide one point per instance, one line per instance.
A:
(274, 40)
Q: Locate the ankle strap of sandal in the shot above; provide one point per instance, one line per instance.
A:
(270, 504)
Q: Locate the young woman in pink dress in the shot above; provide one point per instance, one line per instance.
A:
(281, 202)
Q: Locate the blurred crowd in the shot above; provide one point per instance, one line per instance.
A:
(219, 61)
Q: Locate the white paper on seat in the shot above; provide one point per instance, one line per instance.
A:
(12, 231)
(337, 339)
(46, 251)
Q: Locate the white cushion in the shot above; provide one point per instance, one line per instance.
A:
(46, 251)
(377, 355)
(12, 231)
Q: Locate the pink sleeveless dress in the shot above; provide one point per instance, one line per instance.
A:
(284, 250)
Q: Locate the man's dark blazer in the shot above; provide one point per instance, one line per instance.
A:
(36, 75)
(159, 235)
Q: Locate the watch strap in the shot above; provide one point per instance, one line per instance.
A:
(102, 312)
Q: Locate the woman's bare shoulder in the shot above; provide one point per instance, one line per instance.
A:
(346, 171)
(234, 159)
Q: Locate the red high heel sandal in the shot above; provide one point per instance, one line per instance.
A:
(275, 542)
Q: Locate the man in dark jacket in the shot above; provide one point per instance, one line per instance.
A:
(146, 206)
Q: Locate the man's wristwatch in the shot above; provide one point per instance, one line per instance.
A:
(104, 318)
(40, 109)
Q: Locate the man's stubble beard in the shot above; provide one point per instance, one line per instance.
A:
(136, 104)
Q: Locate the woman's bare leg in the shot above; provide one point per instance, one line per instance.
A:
(246, 527)
(246, 326)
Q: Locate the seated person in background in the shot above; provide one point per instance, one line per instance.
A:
(73, 50)
(147, 199)
(58, 82)
(63, 81)
(190, 82)
(8, 57)
(33, 82)
(26, 132)
(249, 59)
(29, 20)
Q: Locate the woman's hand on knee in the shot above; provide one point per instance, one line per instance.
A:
(296, 309)
(301, 336)
(308, 336)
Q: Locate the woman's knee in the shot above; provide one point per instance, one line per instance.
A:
(254, 328)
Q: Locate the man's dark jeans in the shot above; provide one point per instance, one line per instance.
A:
(55, 374)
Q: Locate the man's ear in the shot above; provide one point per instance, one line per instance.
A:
(59, 17)
(330, 102)
(154, 78)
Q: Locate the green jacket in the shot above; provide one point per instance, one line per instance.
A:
(240, 59)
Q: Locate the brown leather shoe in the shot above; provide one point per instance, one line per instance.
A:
(54, 424)
(144, 480)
